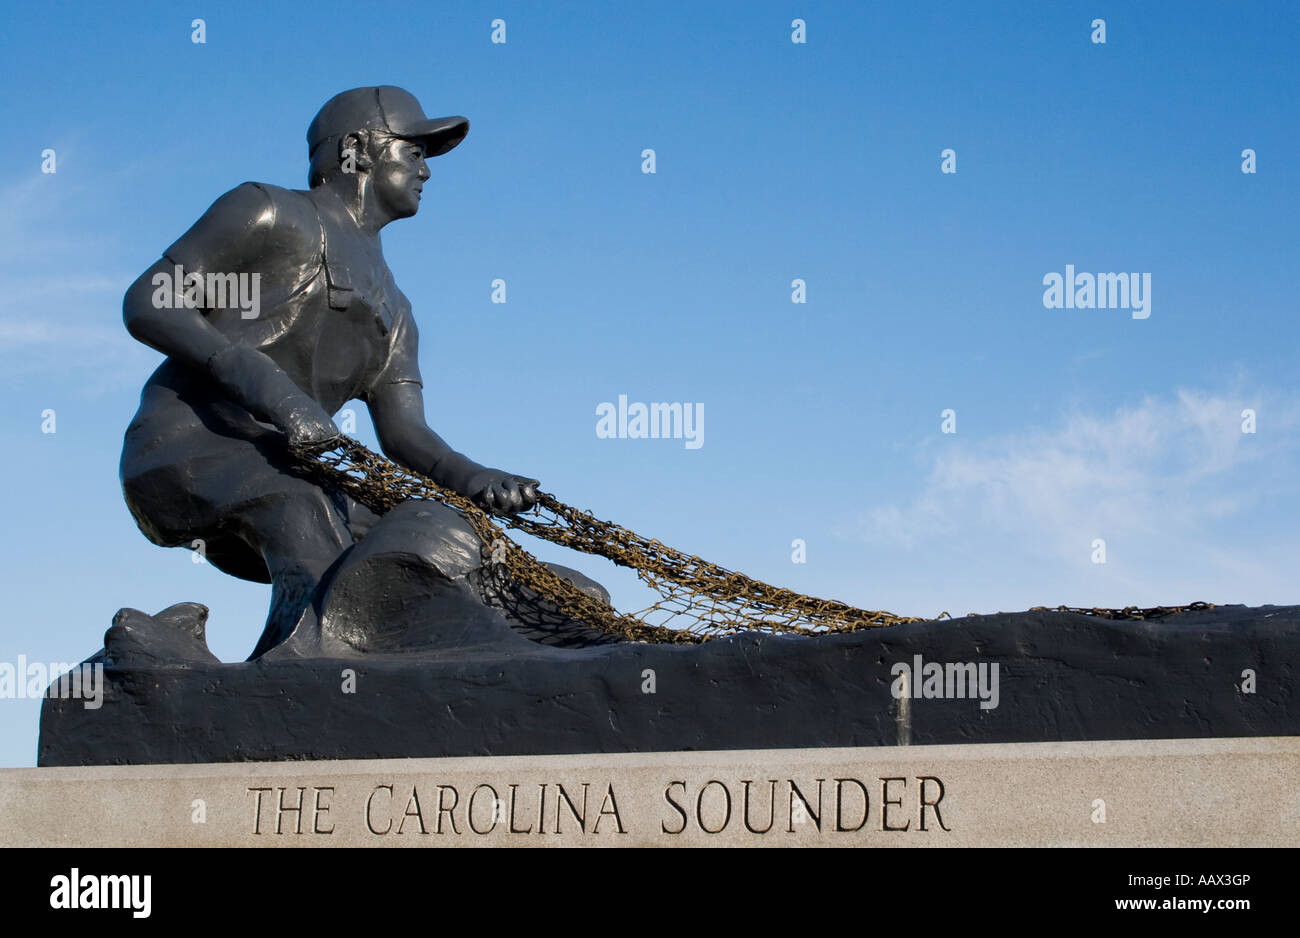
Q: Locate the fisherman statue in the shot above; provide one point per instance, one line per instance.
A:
(405, 621)
(207, 459)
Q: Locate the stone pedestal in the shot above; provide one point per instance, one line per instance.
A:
(1139, 793)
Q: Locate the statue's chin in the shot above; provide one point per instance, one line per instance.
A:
(400, 208)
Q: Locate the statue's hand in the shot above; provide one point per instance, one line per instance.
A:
(502, 493)
(305, 422)
(251, 378)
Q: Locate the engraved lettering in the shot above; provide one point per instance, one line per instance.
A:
(295, 810)
(370, 803)
(580, 818)
(699, 807)
(771, 808)
(613, 810)
(510, 824)
(931, 804)
(412, 811)
(815, 815)
(885, 804)
(839, 805)
(668, 797)
(455, 798)
(257, 809)
(470, 810)
(319, 809)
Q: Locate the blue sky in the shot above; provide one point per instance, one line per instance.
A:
(775, 161)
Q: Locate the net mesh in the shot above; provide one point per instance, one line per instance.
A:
(698, 600)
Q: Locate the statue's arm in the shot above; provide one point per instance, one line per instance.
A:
(184, 335)
(396, 402)
(397, 410)
(233, 236)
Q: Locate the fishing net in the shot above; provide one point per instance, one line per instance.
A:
(699, 600)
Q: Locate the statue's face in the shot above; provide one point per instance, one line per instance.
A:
(399, 174)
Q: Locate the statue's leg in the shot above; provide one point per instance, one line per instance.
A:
(301, 534)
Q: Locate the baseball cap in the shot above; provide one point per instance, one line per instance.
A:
(386, 108)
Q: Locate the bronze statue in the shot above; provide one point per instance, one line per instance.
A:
(205, 458)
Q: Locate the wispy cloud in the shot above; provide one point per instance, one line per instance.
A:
(1180, 495)
(60, 307)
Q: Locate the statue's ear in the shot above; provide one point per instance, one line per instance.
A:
(352, 152)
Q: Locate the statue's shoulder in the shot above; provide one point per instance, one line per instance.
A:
(289, 206)
(258, 214)
(287, 211)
